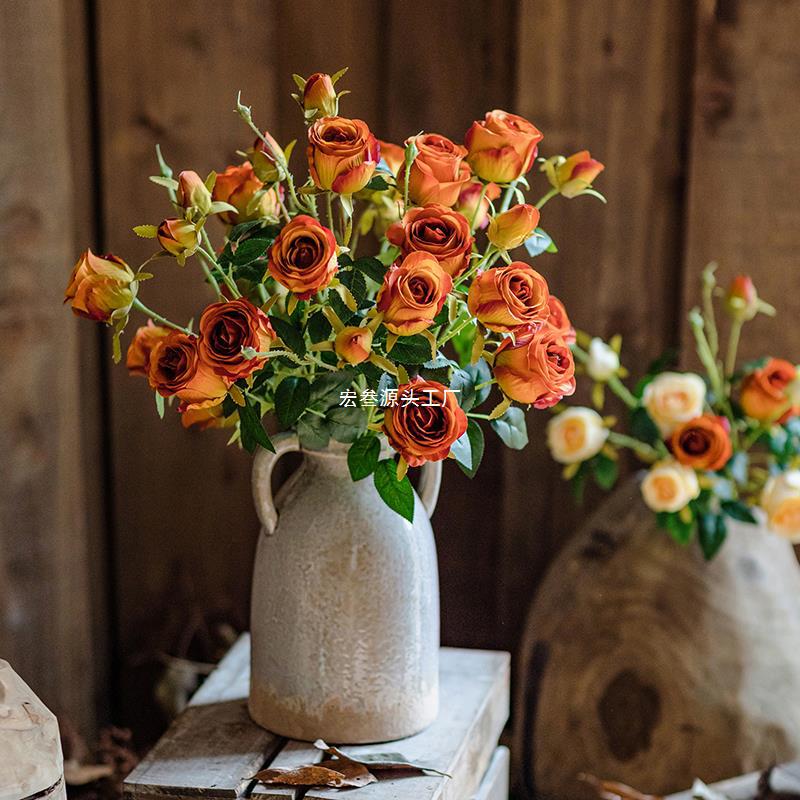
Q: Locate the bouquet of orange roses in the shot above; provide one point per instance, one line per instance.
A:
(376, 297)
(717, 445)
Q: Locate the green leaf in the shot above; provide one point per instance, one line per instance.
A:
(711, 533)
(160, 405)
(371, 267)
(413, 350)
(251, 250)
(475, 443)
(146, 231)
(679, 530)
(291, 399)
(313, 432)
(252, 431)
(318, 327)
(243, 228)
(736, 509)
(326, 389)
(511, 428)
(346, 423)
(605, 470)
(463, 342)
(643, 427)
(377, 184)
(167, 183)
(291, 336)
(465, 380)
(398, 495)
(362, 457)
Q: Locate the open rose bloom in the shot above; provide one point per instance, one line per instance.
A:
(367, 289)
(716, 445)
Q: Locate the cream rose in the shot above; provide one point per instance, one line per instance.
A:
(781, 502)
(603, 360)
(576, 435)
(672, 398)
(669, 486)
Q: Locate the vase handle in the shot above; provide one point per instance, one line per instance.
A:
(430, 478)
(263, 465)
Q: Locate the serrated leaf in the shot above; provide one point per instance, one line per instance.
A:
(371, 267)
(398, 495)
(474, 442)
(378, 184)
(327, 388)
(290, 335)
(168, 183)
(346, 423)
(511, 428)
(363, 456)
(146, 231)
(313, 432)
(252, 431)
(413, 350)
(291, 399)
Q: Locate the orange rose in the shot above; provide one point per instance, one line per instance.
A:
(468, 202)
(741, 299)
(240, 187)
(505, 298)
(511, 228)
(438, 173)
(424, 422)
(703, 443)
(393, 155)
(303, 257)
(319, 96)
(537, 369)
(204, 418)
(412, 294)
(764, 392)
(176, 369)
(101, 288)
(178, 237)
(342, 154)
(572, 175)
(228, 327)
(437, 230)
(501, 146)
(353, 344)
(558, 320)
(192, 192)
(144, 340)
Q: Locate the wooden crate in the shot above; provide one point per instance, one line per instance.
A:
(213, 747)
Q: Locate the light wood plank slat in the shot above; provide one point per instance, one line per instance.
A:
(231, 679)
(784, 778)
(474, 708)
(494, 785)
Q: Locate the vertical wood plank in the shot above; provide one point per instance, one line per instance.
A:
(611, 77)
(743, 203)
(44, 577)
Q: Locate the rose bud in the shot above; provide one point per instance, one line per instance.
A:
(239, 186)
(741, 300)
(673, 398)
(424, 422)
(780, 500)
(505, 298)
(144, 340)
(101, 288)
(226, 328)
(193, 193)
(572, 175)
(537, 369)
(576, 435)
(178, 237)
(438, 173)
(319, 96)
(342, 154)
(765, 392)
(558, 320)
(353, 344)
(176, 369)
(262, 157)
(669, 486)
(501, 146)
(393, 155)
(468, 198)
(204, 418)
(303, 257)
(511, 228)
(603, 362)
(412, 294)
(703, 443)
(437, 230)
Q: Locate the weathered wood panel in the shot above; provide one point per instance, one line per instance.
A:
(44, 575)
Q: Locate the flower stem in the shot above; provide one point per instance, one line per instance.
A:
(733, 347)
(329, 211)
(454, 331)
(507, 196)
(642, 449)
(614, 383)
(137, 303)
(546, 197)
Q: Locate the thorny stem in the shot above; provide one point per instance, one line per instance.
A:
(137, 303)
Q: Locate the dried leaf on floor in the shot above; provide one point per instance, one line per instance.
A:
(312, 775)
(380, 762)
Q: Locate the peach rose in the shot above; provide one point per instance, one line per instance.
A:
(558, 320)
(176, 369)
(178, 237)
(319, 96)
(537, 369)
(673, 398)
(228, 327)
(412, 294)
(393, 155)
(576, 435)
(353, 344)
(342, 154)
(193, 193)
(501, 146)
(101, 288)
(438, 230)
(424, 422)
(781, 502)
(511, 228)
(669, 486)
(468, 198)
(438, 173)
(505, 298)
(144, 340)
(240, 187)
(765, 395)
(703, 443)
(572, 175)
(303, 257)
(204, 418)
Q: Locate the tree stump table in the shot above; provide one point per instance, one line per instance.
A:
(213, 748)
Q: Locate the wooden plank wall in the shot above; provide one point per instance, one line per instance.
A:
(690, 175)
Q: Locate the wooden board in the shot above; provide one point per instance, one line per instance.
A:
(784, 778)
(213, 747)
(494, 785)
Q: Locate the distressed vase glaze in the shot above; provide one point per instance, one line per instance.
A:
(345, 606)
